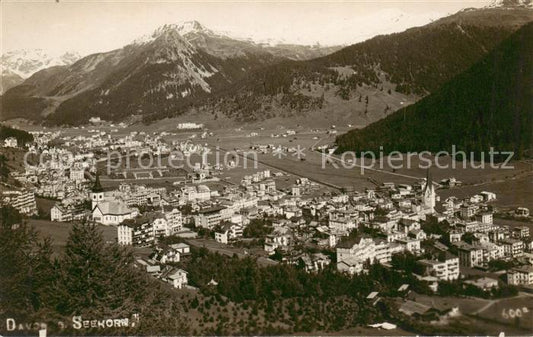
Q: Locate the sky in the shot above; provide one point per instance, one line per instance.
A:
(97, 26)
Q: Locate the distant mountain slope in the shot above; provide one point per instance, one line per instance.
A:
(159, 73)
(25, 63)
(299, 52)
(187, 68)
(18, 65)
(489, 105)
(164, 72)
(9, 80)
(383, 72)
(419, 60)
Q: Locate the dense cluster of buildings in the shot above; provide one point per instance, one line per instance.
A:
(297, 224)
(388, 220)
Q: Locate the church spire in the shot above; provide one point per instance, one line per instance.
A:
(97, 186)
(428, 196)
(429, 180)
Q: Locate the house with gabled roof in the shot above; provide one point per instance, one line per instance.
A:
(175, 276)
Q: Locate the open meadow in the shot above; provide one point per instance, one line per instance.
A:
(59, 232)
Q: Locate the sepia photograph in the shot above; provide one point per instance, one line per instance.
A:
(266, 168)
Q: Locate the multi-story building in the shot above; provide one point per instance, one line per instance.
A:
(137, 232)
(491, 251)
(520, 275)
(475, 226)
(455, 236)
(228, 232)
(280, 238)
(141, 230)
(195, 193)
(467, 211)
(141, 195)
(351, 255)
(410, 244)
(77, 174)
(174, 219)
(125, 234)
(24, 203)
(407, 225)
(445, 270)
(520, 232)
(160, 224)
(513, 247)
(485, 217)
(62, 213)
(342, 221)
(498, 234)
(209, 217)
(469, 256)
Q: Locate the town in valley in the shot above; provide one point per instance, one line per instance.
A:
(193, 183)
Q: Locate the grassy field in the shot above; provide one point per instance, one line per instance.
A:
(466, 305)
(506, 311)
(512, 186)
(59, 232)
(514, 223)
(510, 193)
(45, 205)
(485, 316)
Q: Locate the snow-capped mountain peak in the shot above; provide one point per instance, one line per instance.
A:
(183, 29)
(26, 62)
(187, 27)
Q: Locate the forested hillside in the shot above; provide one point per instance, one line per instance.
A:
(415, 62)
(21, 136)
(91, 279)
(489, 105)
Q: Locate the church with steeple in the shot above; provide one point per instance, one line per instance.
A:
(97, 192)
(107, 209)
(428, 194)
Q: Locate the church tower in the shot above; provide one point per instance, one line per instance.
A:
(428, 193)
(97, 192)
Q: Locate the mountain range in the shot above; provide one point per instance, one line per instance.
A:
(18, 65)
(488, 105)
(187, 68)
(168, 69)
